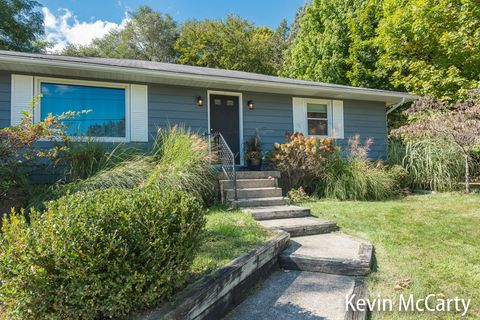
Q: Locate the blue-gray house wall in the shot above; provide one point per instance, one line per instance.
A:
(5, 88)
(272, 116)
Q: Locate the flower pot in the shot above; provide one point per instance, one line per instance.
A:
(254, 164)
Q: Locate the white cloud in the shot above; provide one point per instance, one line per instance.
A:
(66, 28)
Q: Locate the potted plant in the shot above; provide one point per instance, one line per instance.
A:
(253, 153)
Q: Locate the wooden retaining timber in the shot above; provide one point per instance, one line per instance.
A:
(212, 296)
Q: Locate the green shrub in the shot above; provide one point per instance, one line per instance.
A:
(354, 177)
(430, 164)
(297, 195)
(95, 255)
(182, 162)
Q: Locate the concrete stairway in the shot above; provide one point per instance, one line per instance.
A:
(316, 255)
(254, 189)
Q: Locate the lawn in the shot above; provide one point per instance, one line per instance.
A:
(433, 240)
(229, 234)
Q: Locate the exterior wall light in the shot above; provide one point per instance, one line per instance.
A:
(250, 105)
(199, 101)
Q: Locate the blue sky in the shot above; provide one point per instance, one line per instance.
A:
(79, 21)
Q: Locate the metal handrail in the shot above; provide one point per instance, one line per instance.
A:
(226, 158)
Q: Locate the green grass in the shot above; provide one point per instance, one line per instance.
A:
(433, 240)
(228, 235)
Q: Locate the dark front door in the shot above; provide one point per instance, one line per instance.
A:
(224, 118)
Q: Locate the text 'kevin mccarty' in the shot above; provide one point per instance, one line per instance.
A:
(430, 303)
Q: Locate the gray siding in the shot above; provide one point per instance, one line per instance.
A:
(5, 97)
(368, 119)
(272, 116)
(170, 105)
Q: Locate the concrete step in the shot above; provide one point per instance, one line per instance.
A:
(249, 183)
(300, 226)
(303, 296)
(257, 174)
(333, 253)
(250, 193)
(259, 202)
(278, 212)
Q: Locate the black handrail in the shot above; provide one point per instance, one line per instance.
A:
(226, 158)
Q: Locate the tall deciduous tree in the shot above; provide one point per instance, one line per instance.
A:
(149, 35)
(363, 54)
(233, 43)
(320, 49)
(21, 26)
(431, 46)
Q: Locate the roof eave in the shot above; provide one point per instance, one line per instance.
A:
(388, 95)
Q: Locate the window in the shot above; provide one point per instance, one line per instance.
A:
(317, 118)
(107, 118)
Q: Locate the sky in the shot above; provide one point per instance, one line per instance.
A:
(80, 21)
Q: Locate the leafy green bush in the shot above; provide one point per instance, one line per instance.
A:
(95, 255)
(297, 195)
(354, 177)
(430, 164)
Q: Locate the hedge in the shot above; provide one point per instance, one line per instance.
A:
(101, 254)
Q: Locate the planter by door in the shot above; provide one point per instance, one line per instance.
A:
(224, 118)
(254, 164)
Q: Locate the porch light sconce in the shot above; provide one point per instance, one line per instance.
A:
(199, 101)
(250, 105)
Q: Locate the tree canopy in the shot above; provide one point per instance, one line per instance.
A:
(416, 45)
(431, 47)
(320, 49)
(149, 35)
(21, 26)
(233, 43)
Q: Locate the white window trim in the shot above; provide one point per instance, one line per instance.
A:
(240, 111)
(329, 116)
(37, 112)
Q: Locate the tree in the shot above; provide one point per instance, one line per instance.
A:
(320, 49)
(363, 51)
(233, 43)
(458, 123)
(21, 26)
(295, 25)
(431, 46)
(149, 35)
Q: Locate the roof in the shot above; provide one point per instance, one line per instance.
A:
(169, 73)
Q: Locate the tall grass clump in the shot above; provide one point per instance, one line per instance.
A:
(124, 175)
(430, 164)
(86, 158)
(354, 177)
(178, 160)
(182, 162)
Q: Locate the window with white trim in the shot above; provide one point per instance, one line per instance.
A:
(107, 118)
(317, 119)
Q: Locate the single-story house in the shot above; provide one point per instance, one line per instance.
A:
(130, 99)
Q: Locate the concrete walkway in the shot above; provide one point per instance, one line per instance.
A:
(317, 272)
(298, 295)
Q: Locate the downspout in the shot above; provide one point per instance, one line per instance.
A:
(396, 106)
(386, 119)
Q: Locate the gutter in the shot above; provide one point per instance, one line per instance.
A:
(196, 77)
